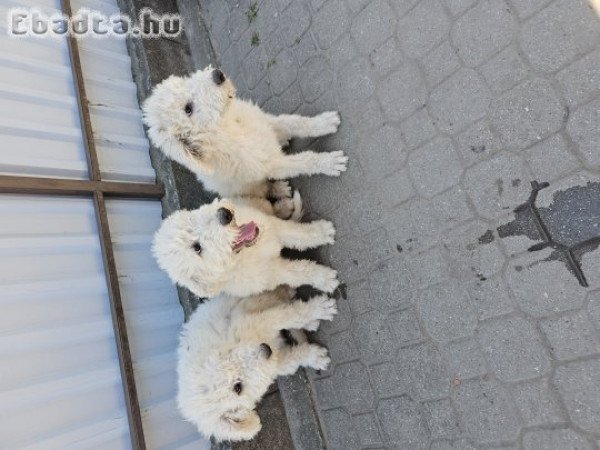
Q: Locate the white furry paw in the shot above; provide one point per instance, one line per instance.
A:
(312, 326)
(333, 163)
(289, 208)
(326, 280)
(280, 189)
(317, 358)
(325, 123)
(325, 231)
(324, 308)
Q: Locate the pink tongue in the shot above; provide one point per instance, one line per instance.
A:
(247, 233)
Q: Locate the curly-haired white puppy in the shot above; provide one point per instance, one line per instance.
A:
(231, 351)
(233, 246)
(231, 145)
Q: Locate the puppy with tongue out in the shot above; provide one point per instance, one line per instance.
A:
(233, 246)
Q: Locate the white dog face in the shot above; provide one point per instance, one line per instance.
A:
(219, 391)
(196, 248)
(181, 110)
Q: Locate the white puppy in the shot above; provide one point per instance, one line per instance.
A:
(231, 145)
(233, 247)
(232, 349)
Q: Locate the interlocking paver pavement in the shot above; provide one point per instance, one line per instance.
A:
(451, 335)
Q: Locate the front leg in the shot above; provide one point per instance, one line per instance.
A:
(308, 355)
(308, 163)
(287, 126)
(300, 272)
(302, 236)
(297, 314)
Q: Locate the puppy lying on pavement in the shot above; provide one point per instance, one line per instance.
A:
(232, 349)
(233, 246)
(231, 145)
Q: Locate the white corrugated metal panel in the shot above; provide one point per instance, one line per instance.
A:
(154, 317)
(39, 120)
(60, 384)
(116, 118)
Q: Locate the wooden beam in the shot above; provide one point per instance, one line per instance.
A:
(136, 431)
(56, 186)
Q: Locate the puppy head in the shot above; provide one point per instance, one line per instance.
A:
(181, 110)
(197, 248)
(219, 391)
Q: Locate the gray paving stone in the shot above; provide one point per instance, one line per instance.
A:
(487, 412)
(525, 8)
(333, 12)
(350, 387)
(295, 20)
(459, 101)
(424, 27)
(429, 267)
(477, 142)
(541, 287)
(545, 38)
(382, 152)
(441, 419)
(571, 336)
(446, 312)
(472, 252)
(537, 403)
(357, 83)
(402, 92)
(585, 134)
(490, 298)
(550, 159)
(440, 63)
(423, 371)
(373, 336)
(464, 359)
(457, 7)
(497, 185)
(305, 48)
(387, 380)
(372, 26)
(594, 308)
(450, 208)
(418, 128)
(403, 423)
(283, 72)
(359, 297)
(504, 70)
(315, 78)
(405, 326)
(577, 384)
(553, 439)
(527, 113)
(340, 431)
(434, 167)
(386, 57)
(395, 188)
(391, 282)
(513, 349)
(483, 31)
(254, 67)
(341, 347)
(367, 429)
(580, 80)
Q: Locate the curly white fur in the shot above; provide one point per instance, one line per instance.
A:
(231, 350)
(200, 253)
(231, 145)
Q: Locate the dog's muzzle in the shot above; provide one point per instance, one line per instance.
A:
(218, 77)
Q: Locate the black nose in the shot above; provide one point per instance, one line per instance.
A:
(266, 350)
(218, 76)
(225, 216)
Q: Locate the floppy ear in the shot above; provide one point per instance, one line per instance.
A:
(241, 425)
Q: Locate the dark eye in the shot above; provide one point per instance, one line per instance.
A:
(224, 216)
(197, 248)
(189, 108)
(237, 388)
(266, 349)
